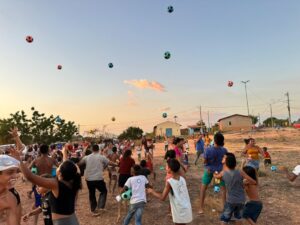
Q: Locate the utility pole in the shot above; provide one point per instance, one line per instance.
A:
(259, 119)
(208, 121)
(245, 83)
(272, 121)
(289, 108)
(201, 129)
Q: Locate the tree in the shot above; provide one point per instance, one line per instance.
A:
(276, 122)
(38, 129)
(254, 119)
(132, 133)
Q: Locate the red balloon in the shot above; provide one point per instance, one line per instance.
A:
(59, 67)
(230, 83)
(29, 39)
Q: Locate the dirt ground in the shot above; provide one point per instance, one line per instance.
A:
(280, 197)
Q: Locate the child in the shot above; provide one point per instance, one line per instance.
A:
(138, 200)
(235, 197)
(166, 144)
(44, 206)
(139, 152)
(267, 157)
(149, 164)
(112, 171)
(170, 154)
(186, 152)
(144, 170)
(178, 194)
(254, 206)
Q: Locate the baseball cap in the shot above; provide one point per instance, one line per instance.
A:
(8, 162)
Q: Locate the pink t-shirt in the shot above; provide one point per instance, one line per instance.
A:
(178, 152)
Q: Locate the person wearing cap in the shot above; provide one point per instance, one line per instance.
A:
(10, 205)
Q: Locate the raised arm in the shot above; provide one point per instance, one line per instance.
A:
(248, 178)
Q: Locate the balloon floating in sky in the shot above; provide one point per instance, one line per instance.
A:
(164, 115)
(110, 65)
(167, 55)
(29, 39)
(170, 9)
(230, 83)
(59, 67)
(113, 119)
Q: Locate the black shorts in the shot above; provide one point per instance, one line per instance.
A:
(267, 162)
(252, 210)
(122, 179)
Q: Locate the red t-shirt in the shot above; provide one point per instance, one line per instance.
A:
(125, 165)
(267, 155)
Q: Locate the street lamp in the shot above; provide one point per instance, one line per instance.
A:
(245, 83)
(175, 118)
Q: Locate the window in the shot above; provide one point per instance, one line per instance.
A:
(229, 123)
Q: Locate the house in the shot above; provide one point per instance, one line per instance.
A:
(235, 122)
(167, 128)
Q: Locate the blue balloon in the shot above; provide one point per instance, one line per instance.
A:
(164, 115)
(170, 9)
(110, 65)
(127, 194)
(273, 168)
(217, 189)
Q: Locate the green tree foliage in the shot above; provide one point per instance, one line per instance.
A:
(276, 122)
(38, 129)
(132, 133)
(254, 119)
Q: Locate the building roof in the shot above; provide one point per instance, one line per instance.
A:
(233, 116)
(167, 122)
(194, 126)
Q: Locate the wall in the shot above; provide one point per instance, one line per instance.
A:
(238, 123)
(161, 129)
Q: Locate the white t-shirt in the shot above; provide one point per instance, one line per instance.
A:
(95, 164)
(180, 201)
(296, 170)
(137, 185)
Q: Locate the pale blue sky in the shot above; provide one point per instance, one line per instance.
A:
(211, 42)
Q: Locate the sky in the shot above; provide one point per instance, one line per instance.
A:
(211, 43)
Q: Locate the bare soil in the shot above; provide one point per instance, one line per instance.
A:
(280, 197)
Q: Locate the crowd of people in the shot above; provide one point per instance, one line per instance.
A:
(57, 174)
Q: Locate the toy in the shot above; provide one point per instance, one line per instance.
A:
(127, 194)
(216, 189)
(273, 168)
(59, 67)
(113, 119)
(230, 83)
(110, 65)
(167, 55)
(164, 115)
(29, 39)
(170, 9)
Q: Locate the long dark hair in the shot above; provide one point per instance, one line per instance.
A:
(251, 172)
(69, 173)
(127, 154)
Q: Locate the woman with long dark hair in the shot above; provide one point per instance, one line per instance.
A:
(64, 187)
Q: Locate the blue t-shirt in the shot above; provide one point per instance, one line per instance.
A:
(214, 156)
(200, 145)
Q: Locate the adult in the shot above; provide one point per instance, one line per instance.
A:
(44, 163)
(95, 164)
(293, 175)
(10, 205)
(252, 151)
(63, 189)
(212, 163)
(199, 146)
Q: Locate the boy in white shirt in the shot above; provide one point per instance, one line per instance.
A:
(292, 176)
(137, 184)
(177, 191)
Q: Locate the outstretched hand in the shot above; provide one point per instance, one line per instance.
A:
(14, 132)
(15, 153)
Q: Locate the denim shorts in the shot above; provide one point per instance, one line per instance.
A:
(253, 163)
(230, 209)
(252, 210)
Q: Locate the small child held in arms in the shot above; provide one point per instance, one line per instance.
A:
(137, 184)
(44, 207)
(177, 191)
(254, 206)
(267, 157)
(235, 196)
